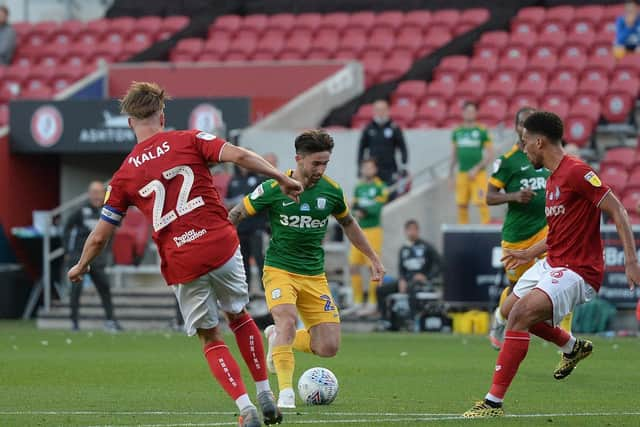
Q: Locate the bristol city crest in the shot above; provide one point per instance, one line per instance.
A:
(207, 118)
(46, 126)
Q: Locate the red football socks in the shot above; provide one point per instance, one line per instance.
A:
(224, 368)
(556, 335)
(512, 353)
(250, 344)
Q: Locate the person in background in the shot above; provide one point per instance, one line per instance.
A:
(370, 196)
(418, 264)
(7, 37)
(76, 231)
(627, 31)
(272, 159)
(472, 151)
(380, 140)
(250, 231)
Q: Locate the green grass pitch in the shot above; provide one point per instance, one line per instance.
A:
(59, 378)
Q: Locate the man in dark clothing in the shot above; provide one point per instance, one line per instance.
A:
(251, 230)
(418, 264)
(76, 231)
(380, 140)
(7, 37)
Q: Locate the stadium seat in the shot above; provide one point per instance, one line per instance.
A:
(253, 24)
(630, 86)
(533, 15)
(441, 89)
(447, 17)
(353, 43)
(615, 177)
(495, 39)
(324, 45)
(471, 90)
(572, 59)
(391, 20)
(594, 82)
(270, 46)
(410, 91)
(453, 63)
(611, 12)
(621, 157)
(473, 17)
(228, 23)
(281, 21)
(191, 47)
(418, 19)
(403, 114)
(593, 14)
(65, 76)
(532, 83)
(382, 40)
(556, 104)
(131, 238)
(312, 21)
(364, 20)
(433, 40)
(514, 58)
(123, 26)
(586, 104)
(43, 92)
(409, 40)
(42, 32)
(243, 45)
(598, 62)
(492, 112)
(483, 64)
(432, 110)
(394, 67)
(630, 201)
(363, 115)
(524, 40)
(564, 84)
(146, 27)
(554, 37)
(67, 31)
(336, 22)
(217, 46)
(171, 25)
(502, 86)
(519, 101)
(578, 129)
(561, 15)
(544, 64)
(4, 114)
(14, 77)
(616, 106)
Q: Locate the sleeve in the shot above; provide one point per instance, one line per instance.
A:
(621, 31)
(587, 184)
(454, 137)
(210, 146)
(501, 173)
(116, 202)
(261, 197)
(341, 209)
(401, 144)
(7, 46)
(486, 138)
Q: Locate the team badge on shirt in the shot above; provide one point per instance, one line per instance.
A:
(107, 194)
(259, 191)
(321, 202)
(593, 179)
(206, 136)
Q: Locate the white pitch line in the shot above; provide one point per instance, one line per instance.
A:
(337, 414)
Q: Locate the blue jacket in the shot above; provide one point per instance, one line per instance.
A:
(627, 36)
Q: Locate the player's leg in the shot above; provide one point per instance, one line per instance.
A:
(198, 304)
(463, 190)
(356, 262)
(76, 291)
(478, 195)
(325, 339)
(374, 235)
(281, 293)
(245, 250)
(231, 290)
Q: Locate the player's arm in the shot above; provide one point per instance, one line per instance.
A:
(238, 213)
(515, 258)
(616, 211)
(95, 243)
(256, 163)
(497, 197)
(454, 159)
(355, 235)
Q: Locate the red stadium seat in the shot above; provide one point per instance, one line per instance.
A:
(217, 46)
(14, 77)
(501, 86)
(473, 17)
(391, 20)
(453, 63)
(282, 21)
(403, 114)
(130, 240)
(542, 52)
(394, 67)
(631, 200)
(545, 65)
(492, 112)
(621, 157)
(382, 40)
(483, 64)
(606, 64)
(171, 25)
(67, 32)
(364, 113)
(562, 15)
(611, 12)
(228, 23)
(410, 91)
(434, 40)
(311, 22)
(106, 51)
(470, 89)
(42, 32)
(326, 43)
(254, 24)
(586, 104)
(573, 58)
(520, 101)
(419, 19)
(441, 89)
(65, 76)
(523, 27)
(532, 83)
(593, 14)
(533, 15)
(556, 104)
(123, 25)
(433, 110)
(616, 106)
(578, 129)
(4, 114)
(447, 17)
(630, 63)
(554, 36)
(336, 22)
(496, 39)
(564, 84)
(146, 26)
(409, 40)
(94, 31)
(353, 43)
(43, 92)
(270, 46)
(364, 20)
(486, 52)
(629, 87)
(524, 40)
(190, 46)
(514, 58)
(38, 77)
(594, 82)
(244, 44)
(615, 177)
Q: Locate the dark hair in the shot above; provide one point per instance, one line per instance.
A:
(522, 111)
(313, 141)
(411, 222)
(546, 124)
(5, 9)
(466, 104)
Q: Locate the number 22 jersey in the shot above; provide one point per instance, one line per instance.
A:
(167, 177)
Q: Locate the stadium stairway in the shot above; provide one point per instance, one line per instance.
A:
(137, 308)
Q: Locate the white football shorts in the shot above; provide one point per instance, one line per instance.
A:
(224, 288)
(565, 288)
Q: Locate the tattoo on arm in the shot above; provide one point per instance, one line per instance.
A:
(238, 213)
(346, 221)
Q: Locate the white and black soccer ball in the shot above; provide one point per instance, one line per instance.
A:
(318, 386)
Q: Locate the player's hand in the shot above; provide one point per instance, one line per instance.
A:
(472, 173)
(76, 273)
(513, 259)
(451, 182)
(524, 196)
(377, 270)
(290, 187)
(633, 274)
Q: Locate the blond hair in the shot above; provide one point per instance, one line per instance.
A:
(143, 100)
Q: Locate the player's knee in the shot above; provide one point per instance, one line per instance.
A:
(326, 349)
(519, 318)
(286, 328)
(236, 316)
(208, 336)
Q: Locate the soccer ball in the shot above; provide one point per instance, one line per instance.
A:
(318, 386)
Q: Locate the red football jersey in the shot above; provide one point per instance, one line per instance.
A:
(574, 193)
(167, 177)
